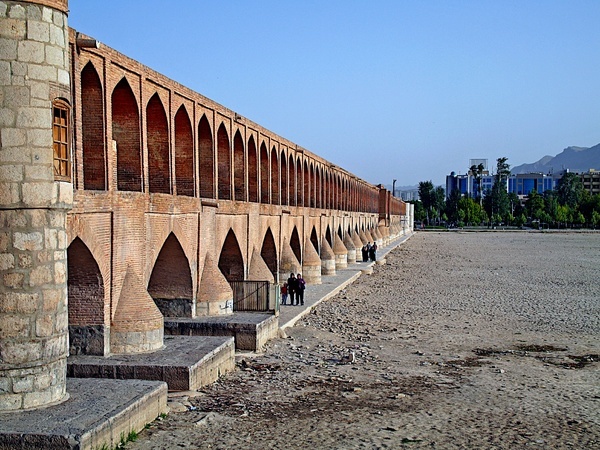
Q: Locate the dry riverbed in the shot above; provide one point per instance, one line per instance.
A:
(462, 340)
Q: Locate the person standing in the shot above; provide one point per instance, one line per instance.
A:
(300, 292)
(373, 251)
(284, 293)
(291, 287)
(365, 251)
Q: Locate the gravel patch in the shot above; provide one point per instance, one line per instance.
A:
(462, 340)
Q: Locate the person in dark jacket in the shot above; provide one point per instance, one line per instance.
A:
(373, 251)
(300, 291)
(365, 253)
(292, 286)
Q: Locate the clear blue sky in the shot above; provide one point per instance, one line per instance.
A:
(389, 89)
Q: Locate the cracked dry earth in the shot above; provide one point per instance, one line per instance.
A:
(461, 341)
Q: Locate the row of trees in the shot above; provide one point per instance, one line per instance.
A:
(566, 206)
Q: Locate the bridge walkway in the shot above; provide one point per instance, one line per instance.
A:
(331, 285)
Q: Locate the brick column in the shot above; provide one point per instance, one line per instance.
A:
(34, 71)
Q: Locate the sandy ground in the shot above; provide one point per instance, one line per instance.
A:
(461, 341)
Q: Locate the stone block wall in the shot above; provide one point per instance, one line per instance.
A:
(34, 73)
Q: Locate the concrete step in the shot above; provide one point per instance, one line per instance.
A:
(98, 414)
(184, 363)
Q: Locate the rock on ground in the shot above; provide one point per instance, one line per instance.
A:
(463, 340)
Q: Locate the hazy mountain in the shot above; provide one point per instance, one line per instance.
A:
(576, 159)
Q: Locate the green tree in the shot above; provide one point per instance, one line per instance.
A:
(551, 205)
(534, 205)
(569, 190)
(419, 210)
(477, 172)
(497, 202)
(563, 215)
(452, 206)
(595, 219)
(427, 196)
(439, 201)
(471, 211)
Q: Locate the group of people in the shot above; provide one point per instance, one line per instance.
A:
(369, 252)
(294, 286)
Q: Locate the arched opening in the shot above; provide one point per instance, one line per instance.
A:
(295, 244)
(292, 182)
(306, 185)
(157, 135)
(284, 179)
(86, 301)
(299, 183)
(206, 159)
(224, 163)
(252, 171)
(170, 284)
(126, 134)
(92, 129)
(313, 196)
(326, 189)
(274, 177)
(319, 189)
(264, 174)
(315, 240)
(184, 153)
(231, 262)
(239, 164)
(339, 233)
(328, 236)
(269, 252)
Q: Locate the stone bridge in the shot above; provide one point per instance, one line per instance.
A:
(137, 198)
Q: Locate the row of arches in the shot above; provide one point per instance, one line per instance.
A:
(170, 283)
(194, 160)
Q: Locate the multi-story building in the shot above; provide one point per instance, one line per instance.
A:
(591, 181)
(520, 184)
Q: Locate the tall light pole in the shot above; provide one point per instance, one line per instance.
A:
(394, 188)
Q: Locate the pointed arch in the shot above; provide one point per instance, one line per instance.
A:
(126, 134)
(299, 183)
(306, 184)
(170, 284)
(328, 236)
(157, 135)
(292, 181)
(264, 174)
(274, 177)
(284, 179)
(239, 165)
(184, 153)
(319, 189)
(315, 240)
(295, 244)
(92, 129)
(231, 262)
(268, 252)
(224, 164)
(313, 193)
(206, 159)
(86, 301)
(253, 181)
(340, 233)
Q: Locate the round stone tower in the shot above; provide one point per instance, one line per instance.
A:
(36, 191)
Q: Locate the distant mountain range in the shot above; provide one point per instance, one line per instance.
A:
(576, 159)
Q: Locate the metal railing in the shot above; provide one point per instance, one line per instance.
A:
(253, 296)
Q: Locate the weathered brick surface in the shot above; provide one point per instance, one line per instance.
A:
(173, 193)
